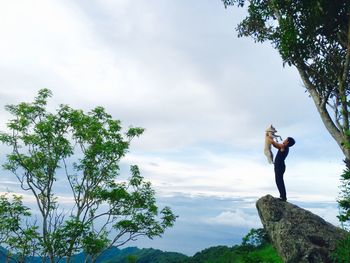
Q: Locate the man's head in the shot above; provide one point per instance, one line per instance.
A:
(291, 141)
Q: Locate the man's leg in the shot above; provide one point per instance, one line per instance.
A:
(280, 183)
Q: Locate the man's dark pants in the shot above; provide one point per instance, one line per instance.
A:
(279, 171)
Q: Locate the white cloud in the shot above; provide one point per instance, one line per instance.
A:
(236, 218)
(185, 85)
(228, 175)
(312, 180)
(217, 176)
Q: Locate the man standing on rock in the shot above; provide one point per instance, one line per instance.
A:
(280, 166)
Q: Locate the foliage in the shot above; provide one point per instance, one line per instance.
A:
(261, 253)
(255, 238)
(344, 198)
(264, 254)
(147, 255)
(255, 248)
(313, 36)
(342, 250)
(83, 149)
(215, 254)
(16, 235)
(132, 259)
(236, 254)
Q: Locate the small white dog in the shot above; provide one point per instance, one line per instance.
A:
(270, 133)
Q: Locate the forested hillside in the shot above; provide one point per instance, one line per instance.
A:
(255, 248)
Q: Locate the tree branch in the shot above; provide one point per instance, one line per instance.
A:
(327, 120)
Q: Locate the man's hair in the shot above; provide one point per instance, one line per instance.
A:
(291, 141)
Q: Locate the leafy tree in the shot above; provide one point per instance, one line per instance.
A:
(132, 259)
(16, 234)
(84, 149)
(314, 37)
(244, 253)
(256, 238)
(342, 250)
(344, 199)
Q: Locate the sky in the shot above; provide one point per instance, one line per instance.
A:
(204, 96)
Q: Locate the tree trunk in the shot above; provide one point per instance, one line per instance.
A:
(86, 259)
(347, 162)
(337, 135)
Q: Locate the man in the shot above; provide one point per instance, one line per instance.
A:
(280, 166)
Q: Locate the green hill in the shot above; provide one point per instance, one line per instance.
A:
(219, 254)
(236, 254)
(147, 256)
(255, 248)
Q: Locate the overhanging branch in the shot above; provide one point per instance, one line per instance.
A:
(321, 108)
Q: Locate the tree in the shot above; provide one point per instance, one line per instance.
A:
(313, 36)
(342, 249)
(16, 234)
(255, 238)
(84, 149)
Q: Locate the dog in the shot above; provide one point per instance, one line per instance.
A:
(270, 132)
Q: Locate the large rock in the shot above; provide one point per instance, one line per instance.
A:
(297, 234)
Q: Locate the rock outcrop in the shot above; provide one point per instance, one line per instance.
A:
(297, 234)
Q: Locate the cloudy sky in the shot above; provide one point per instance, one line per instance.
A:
(203, 95)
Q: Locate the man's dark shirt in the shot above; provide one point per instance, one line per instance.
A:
(280, 157)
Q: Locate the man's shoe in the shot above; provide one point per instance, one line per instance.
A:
(282, 199)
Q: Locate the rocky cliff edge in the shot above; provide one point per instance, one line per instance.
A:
(297, 234)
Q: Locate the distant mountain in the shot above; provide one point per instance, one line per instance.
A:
(148, 255)
(2, 254)
(218, 254)
(116, 255)
(107, 255)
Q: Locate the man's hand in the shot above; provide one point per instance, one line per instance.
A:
(275, 144)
